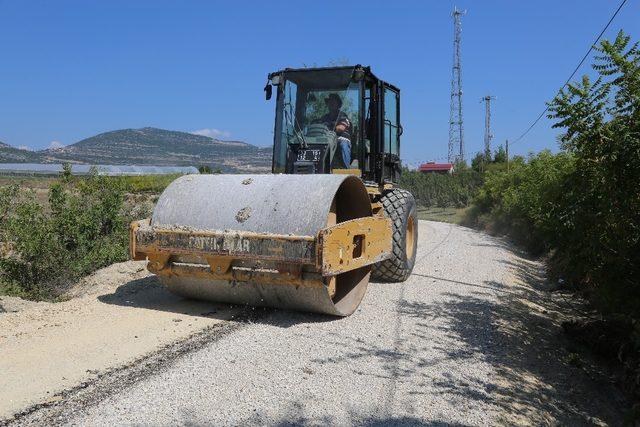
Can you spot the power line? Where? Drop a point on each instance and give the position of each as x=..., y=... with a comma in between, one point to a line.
x=584, y=58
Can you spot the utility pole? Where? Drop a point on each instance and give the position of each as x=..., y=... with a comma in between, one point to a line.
x=488, y=136
x=456, y=127
x=507, y=144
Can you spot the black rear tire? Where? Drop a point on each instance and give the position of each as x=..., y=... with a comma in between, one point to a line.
x=400, y=206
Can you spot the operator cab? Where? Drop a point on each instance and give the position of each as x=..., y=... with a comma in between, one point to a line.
x=310, y=136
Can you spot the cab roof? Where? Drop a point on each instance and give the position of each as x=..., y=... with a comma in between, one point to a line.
x=366, y=69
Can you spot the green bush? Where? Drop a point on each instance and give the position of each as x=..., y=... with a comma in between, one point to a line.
x=582, y=206
x=523, y=201
x=81, y=228
x=600, y=203
x=435, y=190
x=145, y=183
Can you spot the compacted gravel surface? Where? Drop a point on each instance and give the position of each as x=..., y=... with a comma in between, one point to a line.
x=472, y=338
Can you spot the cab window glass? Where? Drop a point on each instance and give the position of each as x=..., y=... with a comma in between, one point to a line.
x=391, y=125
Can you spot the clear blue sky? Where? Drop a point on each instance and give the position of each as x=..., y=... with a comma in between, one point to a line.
x=72, y=69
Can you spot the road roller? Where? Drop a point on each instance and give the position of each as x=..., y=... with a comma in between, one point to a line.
x=310, y=235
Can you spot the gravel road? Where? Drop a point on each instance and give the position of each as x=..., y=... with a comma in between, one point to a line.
x=472, y=338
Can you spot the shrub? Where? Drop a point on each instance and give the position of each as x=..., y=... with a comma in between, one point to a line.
x=600, y=203
x=145, y=183
x=523, y=202
x=583, y=205
x=46, y=247
x=430, y=189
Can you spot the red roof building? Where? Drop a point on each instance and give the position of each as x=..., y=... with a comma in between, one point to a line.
x=433, y=167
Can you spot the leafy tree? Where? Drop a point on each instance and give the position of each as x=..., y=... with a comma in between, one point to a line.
x=583, y=204
x=478, y=162
x=621, y=61
x=431, y=189
x=500, y=155
x=483, y=161
x=66, y=172
x=601, y=201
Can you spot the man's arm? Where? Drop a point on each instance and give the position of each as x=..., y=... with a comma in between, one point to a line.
x=343, y=125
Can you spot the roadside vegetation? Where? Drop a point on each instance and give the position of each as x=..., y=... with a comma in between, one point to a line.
x=154, y=184
x=442, y=191
x=582, y=205
x=579, y=208
x=448, y=197
x=79, y=224
x=80, y=228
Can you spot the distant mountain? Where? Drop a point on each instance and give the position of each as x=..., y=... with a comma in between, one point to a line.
x=152, y=146
x=9, y=154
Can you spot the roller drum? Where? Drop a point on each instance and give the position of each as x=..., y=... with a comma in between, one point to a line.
x=297, y=205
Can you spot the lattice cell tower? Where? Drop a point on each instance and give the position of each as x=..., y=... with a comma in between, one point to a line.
x=456, y=125
x=488, y=136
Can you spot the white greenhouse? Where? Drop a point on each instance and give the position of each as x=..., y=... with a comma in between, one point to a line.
x=110, y=170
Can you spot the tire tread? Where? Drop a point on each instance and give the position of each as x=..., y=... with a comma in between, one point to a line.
x=394, y=269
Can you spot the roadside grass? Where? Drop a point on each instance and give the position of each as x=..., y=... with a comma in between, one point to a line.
x=146, y=183
x=450, y=215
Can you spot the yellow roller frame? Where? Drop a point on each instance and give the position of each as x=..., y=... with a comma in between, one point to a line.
x=334, y=250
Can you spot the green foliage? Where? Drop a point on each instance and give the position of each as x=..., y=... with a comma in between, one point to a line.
x=204, y=169
x=144, y=183
x=601, y=199
x=523, y=201
x=478, y=162
x=435, y=190
x=7, y=195
x=45, y=247
x=82, y=226
x=66, y=172
x=500, y=155
x=582, y=206
x=483, y=162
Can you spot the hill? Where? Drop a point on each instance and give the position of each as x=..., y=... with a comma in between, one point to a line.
x=152, y=146
x=9, y=154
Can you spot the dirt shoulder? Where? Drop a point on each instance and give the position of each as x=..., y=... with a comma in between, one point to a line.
x=112, y=318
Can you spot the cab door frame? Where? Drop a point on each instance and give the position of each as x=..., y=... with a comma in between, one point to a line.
x=391, y=130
